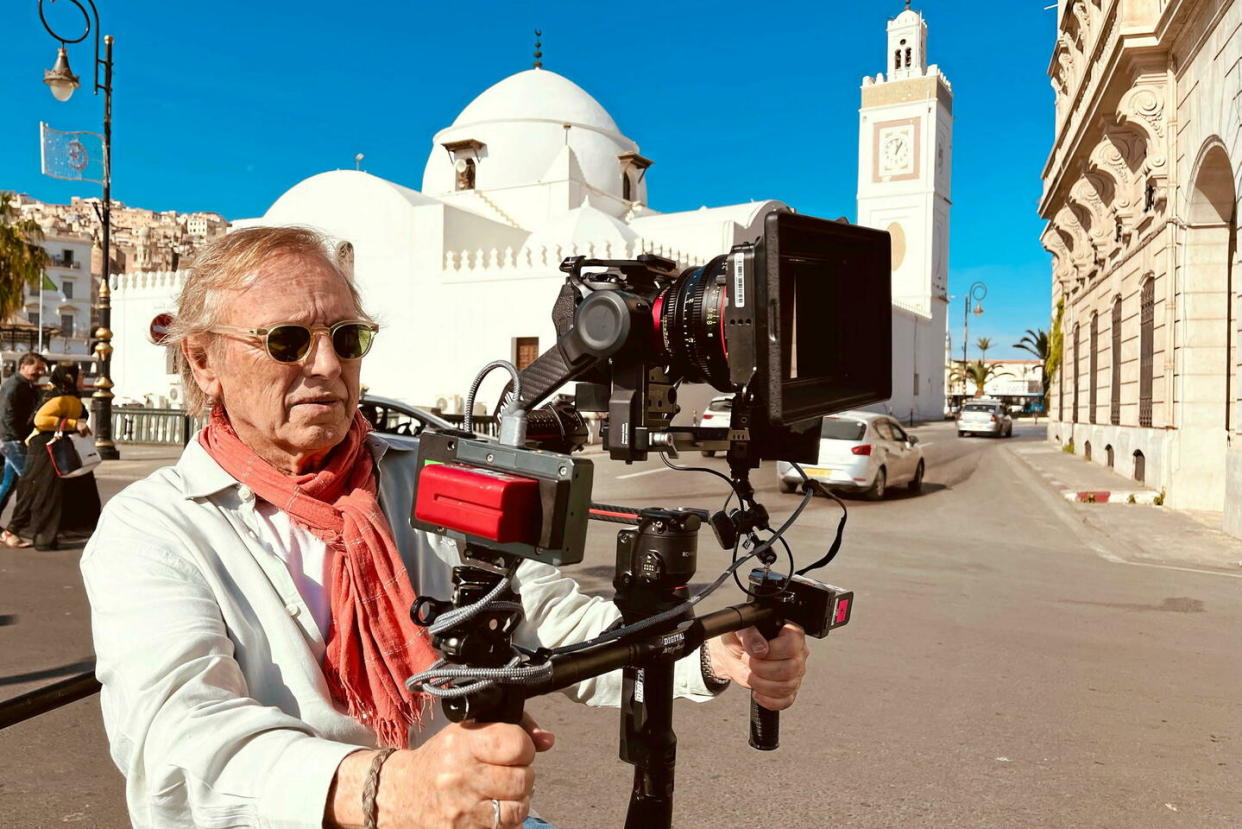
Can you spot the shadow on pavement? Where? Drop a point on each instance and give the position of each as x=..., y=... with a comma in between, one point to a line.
x=50, y=673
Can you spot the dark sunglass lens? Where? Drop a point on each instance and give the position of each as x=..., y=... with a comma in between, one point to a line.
x=352, y=341
x=288, y=343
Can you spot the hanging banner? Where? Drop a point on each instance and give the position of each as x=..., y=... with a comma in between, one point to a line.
x=73, y=156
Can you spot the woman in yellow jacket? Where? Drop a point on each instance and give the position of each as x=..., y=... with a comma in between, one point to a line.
x=48, y=505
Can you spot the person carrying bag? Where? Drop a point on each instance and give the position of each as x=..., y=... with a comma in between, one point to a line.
x=50, y=503
x=73, y=454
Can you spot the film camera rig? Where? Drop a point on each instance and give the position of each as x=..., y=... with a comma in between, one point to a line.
x=797, y=325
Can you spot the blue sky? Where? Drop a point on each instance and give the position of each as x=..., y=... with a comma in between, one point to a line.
x=223, y=106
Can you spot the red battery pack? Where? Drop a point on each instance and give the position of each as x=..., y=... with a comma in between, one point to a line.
x=480, y=502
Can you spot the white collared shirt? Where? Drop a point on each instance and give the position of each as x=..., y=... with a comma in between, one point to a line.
x=216, y=709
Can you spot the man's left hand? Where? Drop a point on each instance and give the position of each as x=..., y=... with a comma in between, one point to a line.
x=773, y=670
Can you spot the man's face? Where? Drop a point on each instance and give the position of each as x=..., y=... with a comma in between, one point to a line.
x=291, y=414
x=33, y=371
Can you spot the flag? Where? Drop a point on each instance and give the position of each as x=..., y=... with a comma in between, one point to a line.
x=75, y=156
x=48, y=284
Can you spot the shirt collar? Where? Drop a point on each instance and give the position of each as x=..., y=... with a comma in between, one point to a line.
x=201, y=476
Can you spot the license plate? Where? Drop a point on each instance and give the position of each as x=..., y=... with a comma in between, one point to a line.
x=818, y=470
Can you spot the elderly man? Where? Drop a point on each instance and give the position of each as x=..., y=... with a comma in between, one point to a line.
x=250, y=604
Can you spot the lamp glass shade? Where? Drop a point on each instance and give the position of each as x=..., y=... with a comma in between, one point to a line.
x=60, y=78
x=978, y=309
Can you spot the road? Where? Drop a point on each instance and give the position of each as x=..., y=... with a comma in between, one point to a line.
x=997, y=672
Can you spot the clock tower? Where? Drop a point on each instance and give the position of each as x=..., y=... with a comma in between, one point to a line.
x=904, y=163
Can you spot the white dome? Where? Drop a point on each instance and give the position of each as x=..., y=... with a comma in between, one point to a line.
x=908, y=16
x=537, y=95
x=520, y=128
x=582, y=227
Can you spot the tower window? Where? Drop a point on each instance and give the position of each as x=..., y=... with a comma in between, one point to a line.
x=897, y=59
x=465, y=169
x=627, y=186
x=907, y=57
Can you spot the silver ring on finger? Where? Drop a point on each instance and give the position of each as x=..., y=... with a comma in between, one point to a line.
x=495, y=813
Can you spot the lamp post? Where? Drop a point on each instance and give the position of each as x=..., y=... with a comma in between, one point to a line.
x=977, y=293
x=62, y=82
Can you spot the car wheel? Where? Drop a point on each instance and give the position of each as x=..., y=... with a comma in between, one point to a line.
x=709, y=453
x=787, y=487
x=916, y=483
x=879, y=487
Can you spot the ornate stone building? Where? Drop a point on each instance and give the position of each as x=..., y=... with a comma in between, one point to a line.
x=1140, y=194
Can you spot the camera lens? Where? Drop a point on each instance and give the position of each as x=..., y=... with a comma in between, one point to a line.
x=690, y=318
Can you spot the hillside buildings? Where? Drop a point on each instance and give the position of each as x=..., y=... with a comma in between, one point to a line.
x=1141, y=203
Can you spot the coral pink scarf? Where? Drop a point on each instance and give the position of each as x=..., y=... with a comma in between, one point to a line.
x=372, y=644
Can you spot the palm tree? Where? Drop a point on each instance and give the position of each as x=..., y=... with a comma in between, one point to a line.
x=1040, y=345
x=22, y=258
x=977, y=372
x=983, y=344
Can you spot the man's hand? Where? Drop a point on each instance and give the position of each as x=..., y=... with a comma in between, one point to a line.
x=83, y=428
x=450, y=781
x=772, y=670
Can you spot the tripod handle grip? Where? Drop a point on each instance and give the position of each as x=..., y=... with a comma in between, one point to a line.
x=765, y=724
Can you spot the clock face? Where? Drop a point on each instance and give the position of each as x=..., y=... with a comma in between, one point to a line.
x=897, y=150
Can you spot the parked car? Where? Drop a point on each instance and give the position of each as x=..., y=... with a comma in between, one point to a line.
x=984, y=417
x=717, y=413
x=862, y=452
x=395, y=417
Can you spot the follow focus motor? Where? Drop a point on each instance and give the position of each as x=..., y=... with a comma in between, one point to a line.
x=797, y=325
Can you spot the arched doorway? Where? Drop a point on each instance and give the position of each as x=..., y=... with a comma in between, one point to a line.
x=1205, y=360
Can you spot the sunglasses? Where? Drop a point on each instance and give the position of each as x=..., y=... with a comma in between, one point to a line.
x=290, y=342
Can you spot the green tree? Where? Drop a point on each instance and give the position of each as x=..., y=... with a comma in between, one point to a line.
x=977, y=372
x=1039, y=344
x=22, y=258
x=983, y=344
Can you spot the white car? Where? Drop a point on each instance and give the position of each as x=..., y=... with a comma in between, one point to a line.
x=984, y=417
x=862, y=452
x=717, y=414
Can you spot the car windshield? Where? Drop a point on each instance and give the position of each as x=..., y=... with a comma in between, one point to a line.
x=837, y=429
x=979, y=407
x=724, y=405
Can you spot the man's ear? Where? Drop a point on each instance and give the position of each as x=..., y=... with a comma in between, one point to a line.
x=197, y=352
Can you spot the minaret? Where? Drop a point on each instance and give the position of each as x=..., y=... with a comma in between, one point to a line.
x=904, y=160
x=905, y=144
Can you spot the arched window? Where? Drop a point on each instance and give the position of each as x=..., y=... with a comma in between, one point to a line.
x=907, y=57
x=1086, y=450
x=1114, y=411
x=465, y=169
x=1147, y=321
x=1076, y=365
x=1093, y=366
x=627, y=186
x=1140, y=467
x=1108, y=455
x=897, y=59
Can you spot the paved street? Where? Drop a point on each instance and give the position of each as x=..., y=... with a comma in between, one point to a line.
x=1005, y=666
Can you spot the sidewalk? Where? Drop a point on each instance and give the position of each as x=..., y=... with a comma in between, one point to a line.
x=1139, y=531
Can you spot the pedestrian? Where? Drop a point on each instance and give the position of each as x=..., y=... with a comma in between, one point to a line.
x=19, y=396
x=250, y=606
x=43, y=501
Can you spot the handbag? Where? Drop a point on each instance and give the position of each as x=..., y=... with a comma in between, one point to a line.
x=72, y=454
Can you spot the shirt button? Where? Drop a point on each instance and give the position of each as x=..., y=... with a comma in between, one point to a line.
x=245, y=493
x=292, y=609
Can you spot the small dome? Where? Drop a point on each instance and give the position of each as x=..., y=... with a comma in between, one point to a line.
x=583, y=226
x=537, y=94
x=908, y=16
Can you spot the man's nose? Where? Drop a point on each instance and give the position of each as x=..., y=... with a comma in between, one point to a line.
x=321, y=360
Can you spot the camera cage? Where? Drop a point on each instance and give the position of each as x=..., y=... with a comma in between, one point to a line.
x=628, y=332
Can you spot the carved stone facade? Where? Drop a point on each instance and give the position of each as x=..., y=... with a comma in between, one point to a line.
x=1140, y=194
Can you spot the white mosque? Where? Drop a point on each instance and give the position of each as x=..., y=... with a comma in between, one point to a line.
x=464, y=270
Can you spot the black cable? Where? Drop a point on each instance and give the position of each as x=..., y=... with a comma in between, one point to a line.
x=810, y=486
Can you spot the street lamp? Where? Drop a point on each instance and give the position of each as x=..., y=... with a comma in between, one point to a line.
x=977, y=293
x=62, y=82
